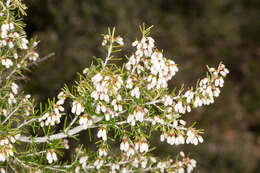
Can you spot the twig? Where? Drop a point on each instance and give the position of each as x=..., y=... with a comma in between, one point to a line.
x=14, y=70
x=153, y=102
x=27, y=122
x=34, y=63
x=108, y=54
x=11, y=114
x=42, y=59
x=71, y=124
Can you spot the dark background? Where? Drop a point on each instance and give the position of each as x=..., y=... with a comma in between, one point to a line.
x=193, y=34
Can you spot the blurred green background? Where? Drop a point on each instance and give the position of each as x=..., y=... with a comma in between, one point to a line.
x=193, y=34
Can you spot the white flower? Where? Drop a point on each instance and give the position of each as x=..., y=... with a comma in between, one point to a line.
x=95, y=95
x=179, y=139
x=6, y=62
x=85, y=71
x=130, y=151
x=216, y=92
x=12, y=139
x=117, y=106
x=11, y=99
x=2, y=170
x=2, y=156
x=120, y=41
x=60, y=102
x=4, y=35
x=8, y=4
x=4, y=142
x=143, y=145
x=191, y=165
x=83, y=161
x=85, y=121
x=51, y=156
x=77, y=108
x=197, y=102
x=135, y=43
x=66, y=143
x=15, y=55
x=180, y=170
x=58, y=108
x=144, y=163
x=124, y=146
x=162, y=137
x=129, y=83
x=77, y=169
x=179, y=107
x=10, y=44
x=51, y=119
x=189, y=96
x=5, y=27
x=171, y=139
x=135, y=92
x=167, y=100
x=135, y=162
x=98, y=163
x=102, y=133
x=24, y=43
x=61, y=95
x=106, y=39
x=97, y=78
x=33, y=56
x=200, y=139
x=131, y=119
x=102, y=152
x=14, y=88
x=35, y=43
x=115, y=166
x=193, y=138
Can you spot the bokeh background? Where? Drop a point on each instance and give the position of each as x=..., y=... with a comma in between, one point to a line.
x=193, y=34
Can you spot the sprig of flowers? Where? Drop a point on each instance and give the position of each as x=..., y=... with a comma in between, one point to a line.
x=130, y=101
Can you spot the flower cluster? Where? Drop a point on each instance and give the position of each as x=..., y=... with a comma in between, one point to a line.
x=50, y=119
x=77, y=108
x=6, y=147
x=137, y=115
x=147, y=57
x=193, y=137
x=12, y=39
x=5, y=152
x=124, y=146
x=83, y=161
x=102, y=133
x=51, y=156
x=53, y=116
x=86, y=121
x=177, y=136
x=142, y=145
x=179, y=166
x=105, y=86
x=107, y=38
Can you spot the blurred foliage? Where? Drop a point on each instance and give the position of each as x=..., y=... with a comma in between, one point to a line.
x=193, y=33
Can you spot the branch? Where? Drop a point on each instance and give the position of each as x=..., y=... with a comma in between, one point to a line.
x=76, y=130
x=61, y=135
